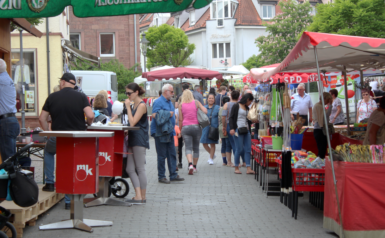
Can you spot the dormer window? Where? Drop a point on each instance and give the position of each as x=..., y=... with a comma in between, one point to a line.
x=222, y=9
x=176, y=22
x=268, y=12
x=192, y=18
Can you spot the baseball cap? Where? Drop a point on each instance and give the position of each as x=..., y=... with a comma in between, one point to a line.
x=67, y=77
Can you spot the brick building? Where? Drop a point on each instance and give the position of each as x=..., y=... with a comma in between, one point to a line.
x=107, y=37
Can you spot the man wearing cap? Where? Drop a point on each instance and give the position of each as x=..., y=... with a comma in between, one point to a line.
x=9, y=126
x=67, y=108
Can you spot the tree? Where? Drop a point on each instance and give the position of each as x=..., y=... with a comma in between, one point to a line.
x=283, y=30
x=351, y=17
x=123, y=75
x=168, y=46
x=33, y=21
x=254, y=62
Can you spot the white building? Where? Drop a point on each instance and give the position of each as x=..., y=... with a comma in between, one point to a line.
x=223, y=32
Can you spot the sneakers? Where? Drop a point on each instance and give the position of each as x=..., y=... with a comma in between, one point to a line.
x=164, y=180
x=195, y=170
x=190, y=170
x=177, y=179
x=180, y=165
x=210, y=161
x=67, y=206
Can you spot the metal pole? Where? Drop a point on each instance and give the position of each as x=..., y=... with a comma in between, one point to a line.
x=48, y=59
x=22, y=97
x=346, y=100
x=329, y=145
x=144, y=58
x=136, y=46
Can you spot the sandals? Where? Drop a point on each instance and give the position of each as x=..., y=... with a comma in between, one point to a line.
x=237, y=172
x=133, y=201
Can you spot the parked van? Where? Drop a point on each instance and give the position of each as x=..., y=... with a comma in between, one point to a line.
x=92, y=82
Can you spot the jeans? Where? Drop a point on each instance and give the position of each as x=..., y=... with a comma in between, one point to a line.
x=226, y=146
x=243, y=147
x=233, y=143
x=166, y=151
x=321, y=141
x=9, y=130
x=49, y=168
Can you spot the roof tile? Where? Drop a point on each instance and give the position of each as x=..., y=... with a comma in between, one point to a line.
x=201, y=23
x=246, y=14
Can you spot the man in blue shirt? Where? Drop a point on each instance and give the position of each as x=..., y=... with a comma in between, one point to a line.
x=197, y=94
x=9, y=126
x=301, y=103
x=165, y=150
x=222, y=93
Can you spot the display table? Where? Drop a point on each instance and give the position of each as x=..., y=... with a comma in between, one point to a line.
x=77, y=163
x=361, y=194
x=110, y=163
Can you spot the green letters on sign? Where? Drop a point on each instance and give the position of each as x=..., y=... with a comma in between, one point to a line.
x=92, y=8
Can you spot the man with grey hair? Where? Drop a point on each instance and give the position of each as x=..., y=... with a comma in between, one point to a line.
x=9, y=126
x=301, y=103
x=165, y=150
x=197, y=94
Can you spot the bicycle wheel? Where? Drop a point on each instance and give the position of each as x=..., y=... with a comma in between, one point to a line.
x=120, y=188
x=9, y=230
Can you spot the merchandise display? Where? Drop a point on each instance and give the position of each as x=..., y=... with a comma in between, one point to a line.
x=373, y=154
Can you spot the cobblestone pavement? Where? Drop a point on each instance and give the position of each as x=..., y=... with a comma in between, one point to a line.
x=214, y=202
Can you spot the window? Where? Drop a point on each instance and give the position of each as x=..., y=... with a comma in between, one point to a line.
x=313, y=11
x=29, y=78
x=192, y=18
x=222, y=9
x=176, y=22
x=75, y=40
x=156, y=22
x=221, y=50
x=107, y=44
x=268, y=11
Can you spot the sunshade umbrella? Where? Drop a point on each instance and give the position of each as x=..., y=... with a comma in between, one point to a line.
x=182, y=73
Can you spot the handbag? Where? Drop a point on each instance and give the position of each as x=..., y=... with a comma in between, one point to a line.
x=213, y=132
x=330, y=128
x=253, y=112
x=243, y=130
x=202, y=117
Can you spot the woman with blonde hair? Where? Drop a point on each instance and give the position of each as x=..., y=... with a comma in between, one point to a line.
x=109, y=103
x=191, y=131
x=100, y=103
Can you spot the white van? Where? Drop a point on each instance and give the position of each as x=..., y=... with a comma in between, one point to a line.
x=92, y=82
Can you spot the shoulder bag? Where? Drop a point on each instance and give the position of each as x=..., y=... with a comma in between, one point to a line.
x=202, y=117
x=213, y=132
x=253, y=112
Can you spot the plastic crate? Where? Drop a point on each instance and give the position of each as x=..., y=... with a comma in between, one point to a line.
x=255, y=142
x=308, y=180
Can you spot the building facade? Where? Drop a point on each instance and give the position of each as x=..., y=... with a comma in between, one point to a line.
x=107, y=37
x=224, y=32
x=35, y=73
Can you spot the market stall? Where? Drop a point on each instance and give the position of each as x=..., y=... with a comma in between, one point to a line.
x=332, y=53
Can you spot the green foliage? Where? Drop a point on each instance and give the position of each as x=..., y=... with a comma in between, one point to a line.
x=254, y=62
x=351, y=17
x=123, y=75
x=168, y=46
x=33, y=21
x=283, y=30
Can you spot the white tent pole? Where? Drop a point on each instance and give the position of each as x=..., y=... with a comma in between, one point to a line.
x=346, y=100
x=329, y=145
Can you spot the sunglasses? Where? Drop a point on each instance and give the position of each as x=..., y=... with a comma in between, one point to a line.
x=170, y=91
x=365, y=94
x=129, y=93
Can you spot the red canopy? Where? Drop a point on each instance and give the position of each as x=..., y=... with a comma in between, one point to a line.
x=297, y=77
x=334, y=53
x=181, y=73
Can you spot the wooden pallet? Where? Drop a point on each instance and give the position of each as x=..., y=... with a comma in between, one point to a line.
x=29, y=215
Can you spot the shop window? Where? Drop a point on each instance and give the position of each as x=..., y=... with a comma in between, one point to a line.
x=268, y=11
x=28, y=73
x=76, y=40
x=107, y=44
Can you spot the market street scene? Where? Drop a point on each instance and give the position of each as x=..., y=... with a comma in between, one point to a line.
x=221, y=118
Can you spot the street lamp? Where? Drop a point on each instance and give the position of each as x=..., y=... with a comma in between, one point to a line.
x=144, y=43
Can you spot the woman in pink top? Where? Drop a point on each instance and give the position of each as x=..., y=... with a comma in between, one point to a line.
x=191, y=131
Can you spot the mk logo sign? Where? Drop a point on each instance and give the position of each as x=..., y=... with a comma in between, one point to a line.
x=82, y=171
x=105, y=156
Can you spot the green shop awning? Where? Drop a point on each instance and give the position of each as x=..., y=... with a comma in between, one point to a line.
x=92, y=8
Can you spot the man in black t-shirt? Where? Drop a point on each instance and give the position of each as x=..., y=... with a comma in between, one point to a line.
x=67, y=108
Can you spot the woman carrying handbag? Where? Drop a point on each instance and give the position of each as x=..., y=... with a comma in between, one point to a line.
x=240, y=128
x=210, y=134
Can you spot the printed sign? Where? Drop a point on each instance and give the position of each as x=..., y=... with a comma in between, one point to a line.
x=103, y=158
x=82, y=172
x=29, y=96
